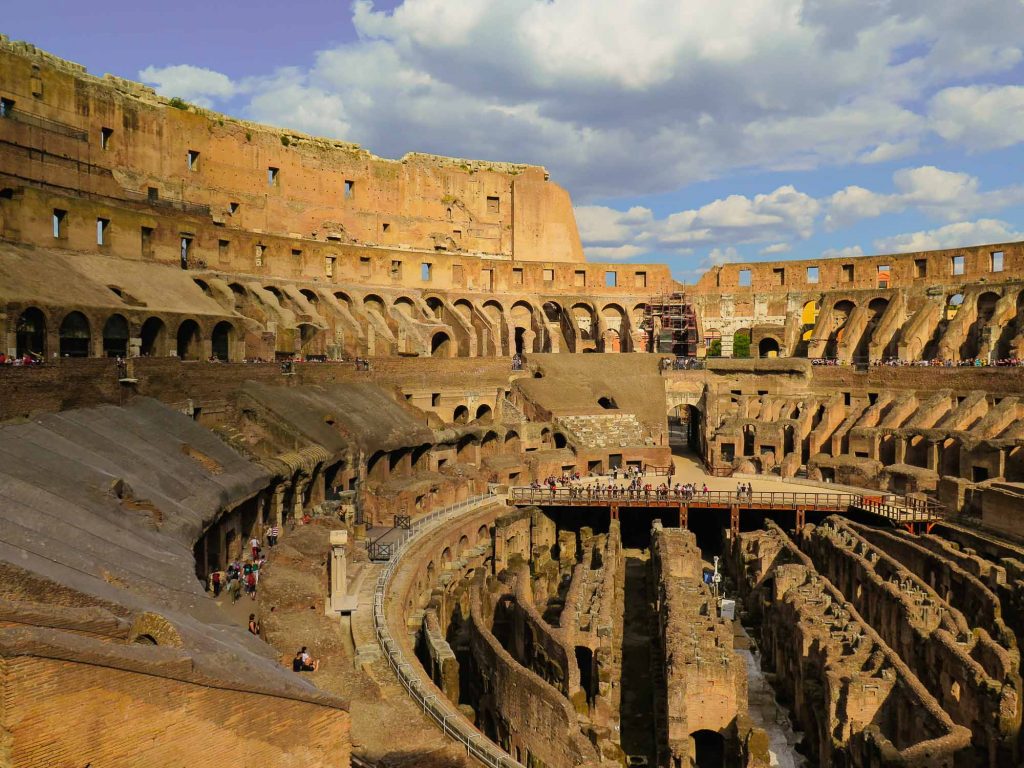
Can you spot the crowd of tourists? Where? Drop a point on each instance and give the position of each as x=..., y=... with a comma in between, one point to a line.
x=26, y=359
x=242, y=575
x=975, y=362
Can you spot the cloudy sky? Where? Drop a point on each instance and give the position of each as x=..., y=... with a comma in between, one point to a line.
x=687, y=132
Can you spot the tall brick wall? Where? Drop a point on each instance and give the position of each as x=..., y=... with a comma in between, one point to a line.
x=63, y=714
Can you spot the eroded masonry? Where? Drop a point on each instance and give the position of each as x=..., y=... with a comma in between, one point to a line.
x=530, y=510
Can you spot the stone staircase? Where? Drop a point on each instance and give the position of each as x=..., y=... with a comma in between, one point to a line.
x=604, y=431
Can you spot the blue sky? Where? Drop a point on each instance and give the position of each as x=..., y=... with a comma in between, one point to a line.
x=691, y=133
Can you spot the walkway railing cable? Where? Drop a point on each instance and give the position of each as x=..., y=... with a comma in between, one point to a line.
x=440, y=710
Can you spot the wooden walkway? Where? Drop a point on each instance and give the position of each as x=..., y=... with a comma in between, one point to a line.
x=914, y=514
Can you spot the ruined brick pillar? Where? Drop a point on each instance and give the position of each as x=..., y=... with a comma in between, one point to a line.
x=339, y=586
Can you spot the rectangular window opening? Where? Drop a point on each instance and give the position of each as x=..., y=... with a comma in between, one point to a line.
x=102, y=231
x=779, y=276
x=232, y=208
x=105, y=134
x=517, y=276
x=152, y=193
x=364, y=266
x=493, y=205
x=396, y=269
x=350, y=189
x=640, y=280
x=549, y=275
x=60, y=219
x=425, y=269
x=6, y=107
x=193, y=160
x=579, y=278
x=297, y=252
x=744, y=278
x=261, y=251
x=385, y=227
x=958, y=265
x=272, y=176
x=329, y=266
x=812, y=275
x=146, y=240
x=223, y=249
x=611, y=279
x=186, y=251
x=920, y=267
x=847, y=273
x=996, y=261
x=882, y=274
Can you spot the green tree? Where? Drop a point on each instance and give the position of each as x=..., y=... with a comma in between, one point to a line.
x=715, y=350
x=741, y=344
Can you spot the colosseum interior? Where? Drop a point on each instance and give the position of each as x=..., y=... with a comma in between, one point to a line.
x=231, y=329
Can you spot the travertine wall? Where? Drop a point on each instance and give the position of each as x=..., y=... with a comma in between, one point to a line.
x=62, y=712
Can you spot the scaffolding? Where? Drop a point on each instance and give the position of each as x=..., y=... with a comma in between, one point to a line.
x=671, y=325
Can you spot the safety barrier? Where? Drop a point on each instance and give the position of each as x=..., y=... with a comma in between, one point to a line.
x=452, y=723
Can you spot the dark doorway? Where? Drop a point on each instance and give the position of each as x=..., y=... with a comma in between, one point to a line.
x=708, y=749
x=30, y=333
x=223, y=333
x=115, y=337
x=74, y=336
x=520, y=341
x=154, y=334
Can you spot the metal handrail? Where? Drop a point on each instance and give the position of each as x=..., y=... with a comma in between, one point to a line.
x=899, y=508
x=452, y=723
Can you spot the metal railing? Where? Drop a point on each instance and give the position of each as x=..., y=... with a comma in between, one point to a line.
x=433, y=703
x=901, y=509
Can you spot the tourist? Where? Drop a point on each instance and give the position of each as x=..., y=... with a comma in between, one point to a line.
x=254, y=544
x=250, y=584
x=272, y=536
x=234, y=587
x=254, y=626
x=304, y=663
x=215, y=583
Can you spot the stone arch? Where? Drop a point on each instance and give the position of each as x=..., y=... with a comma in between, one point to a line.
x=585, y=318
x=30, y=333
x=221, y=339
x=460, y=415
x=405, y=305
x=560, y=440
x=953, y=304
x=616, y=325
x=713, y=342
x=441, y=345
x=768, y=347
x=374, y=303
x=238, y=294
x=512, y=440
x=310, y=296
x=522, y=313
x=154, y=338
x=343, y=298
x=484, y=414
x=116, y=333
x=75, y=335
x=464, y=308
x=153, y=629
x=189, y=340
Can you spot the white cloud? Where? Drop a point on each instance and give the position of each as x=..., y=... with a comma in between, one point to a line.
x=842, y=253
x=933, y=191
x=957, y=235
x=613, y=253
x=776, y=248
x=194, y=84
x=624, y=97
x=980, y=116
x=783, y=214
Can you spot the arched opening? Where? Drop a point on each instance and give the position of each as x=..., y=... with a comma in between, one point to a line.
x=741, y=343
x=560, y=441
x=713, y=342
x=608, y=403
x=585, y=662
x=461, y=415
x=189, y=341
x=436, y=306
x=74, y=335
x=520, y=340
x=484, y=414
x=374, y=303
x=840, y=315
x=552, y=312
x=404, y=305
x=154, y=338
x=344, y=298
x=223, y=335
x=146, y=640
x=512, y=442
x=708, y=749
x=768, y=347
x=441, y=345
x=749, y=435
x=30, y=333
x=310, y=296
x=115, y=336
x=953, y=305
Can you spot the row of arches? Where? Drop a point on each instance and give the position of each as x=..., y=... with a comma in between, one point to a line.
x=75, y=337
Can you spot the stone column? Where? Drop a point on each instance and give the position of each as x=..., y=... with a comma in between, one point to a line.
x=339, y=586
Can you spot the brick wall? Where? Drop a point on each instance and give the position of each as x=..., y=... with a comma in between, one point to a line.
x=63, y=714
